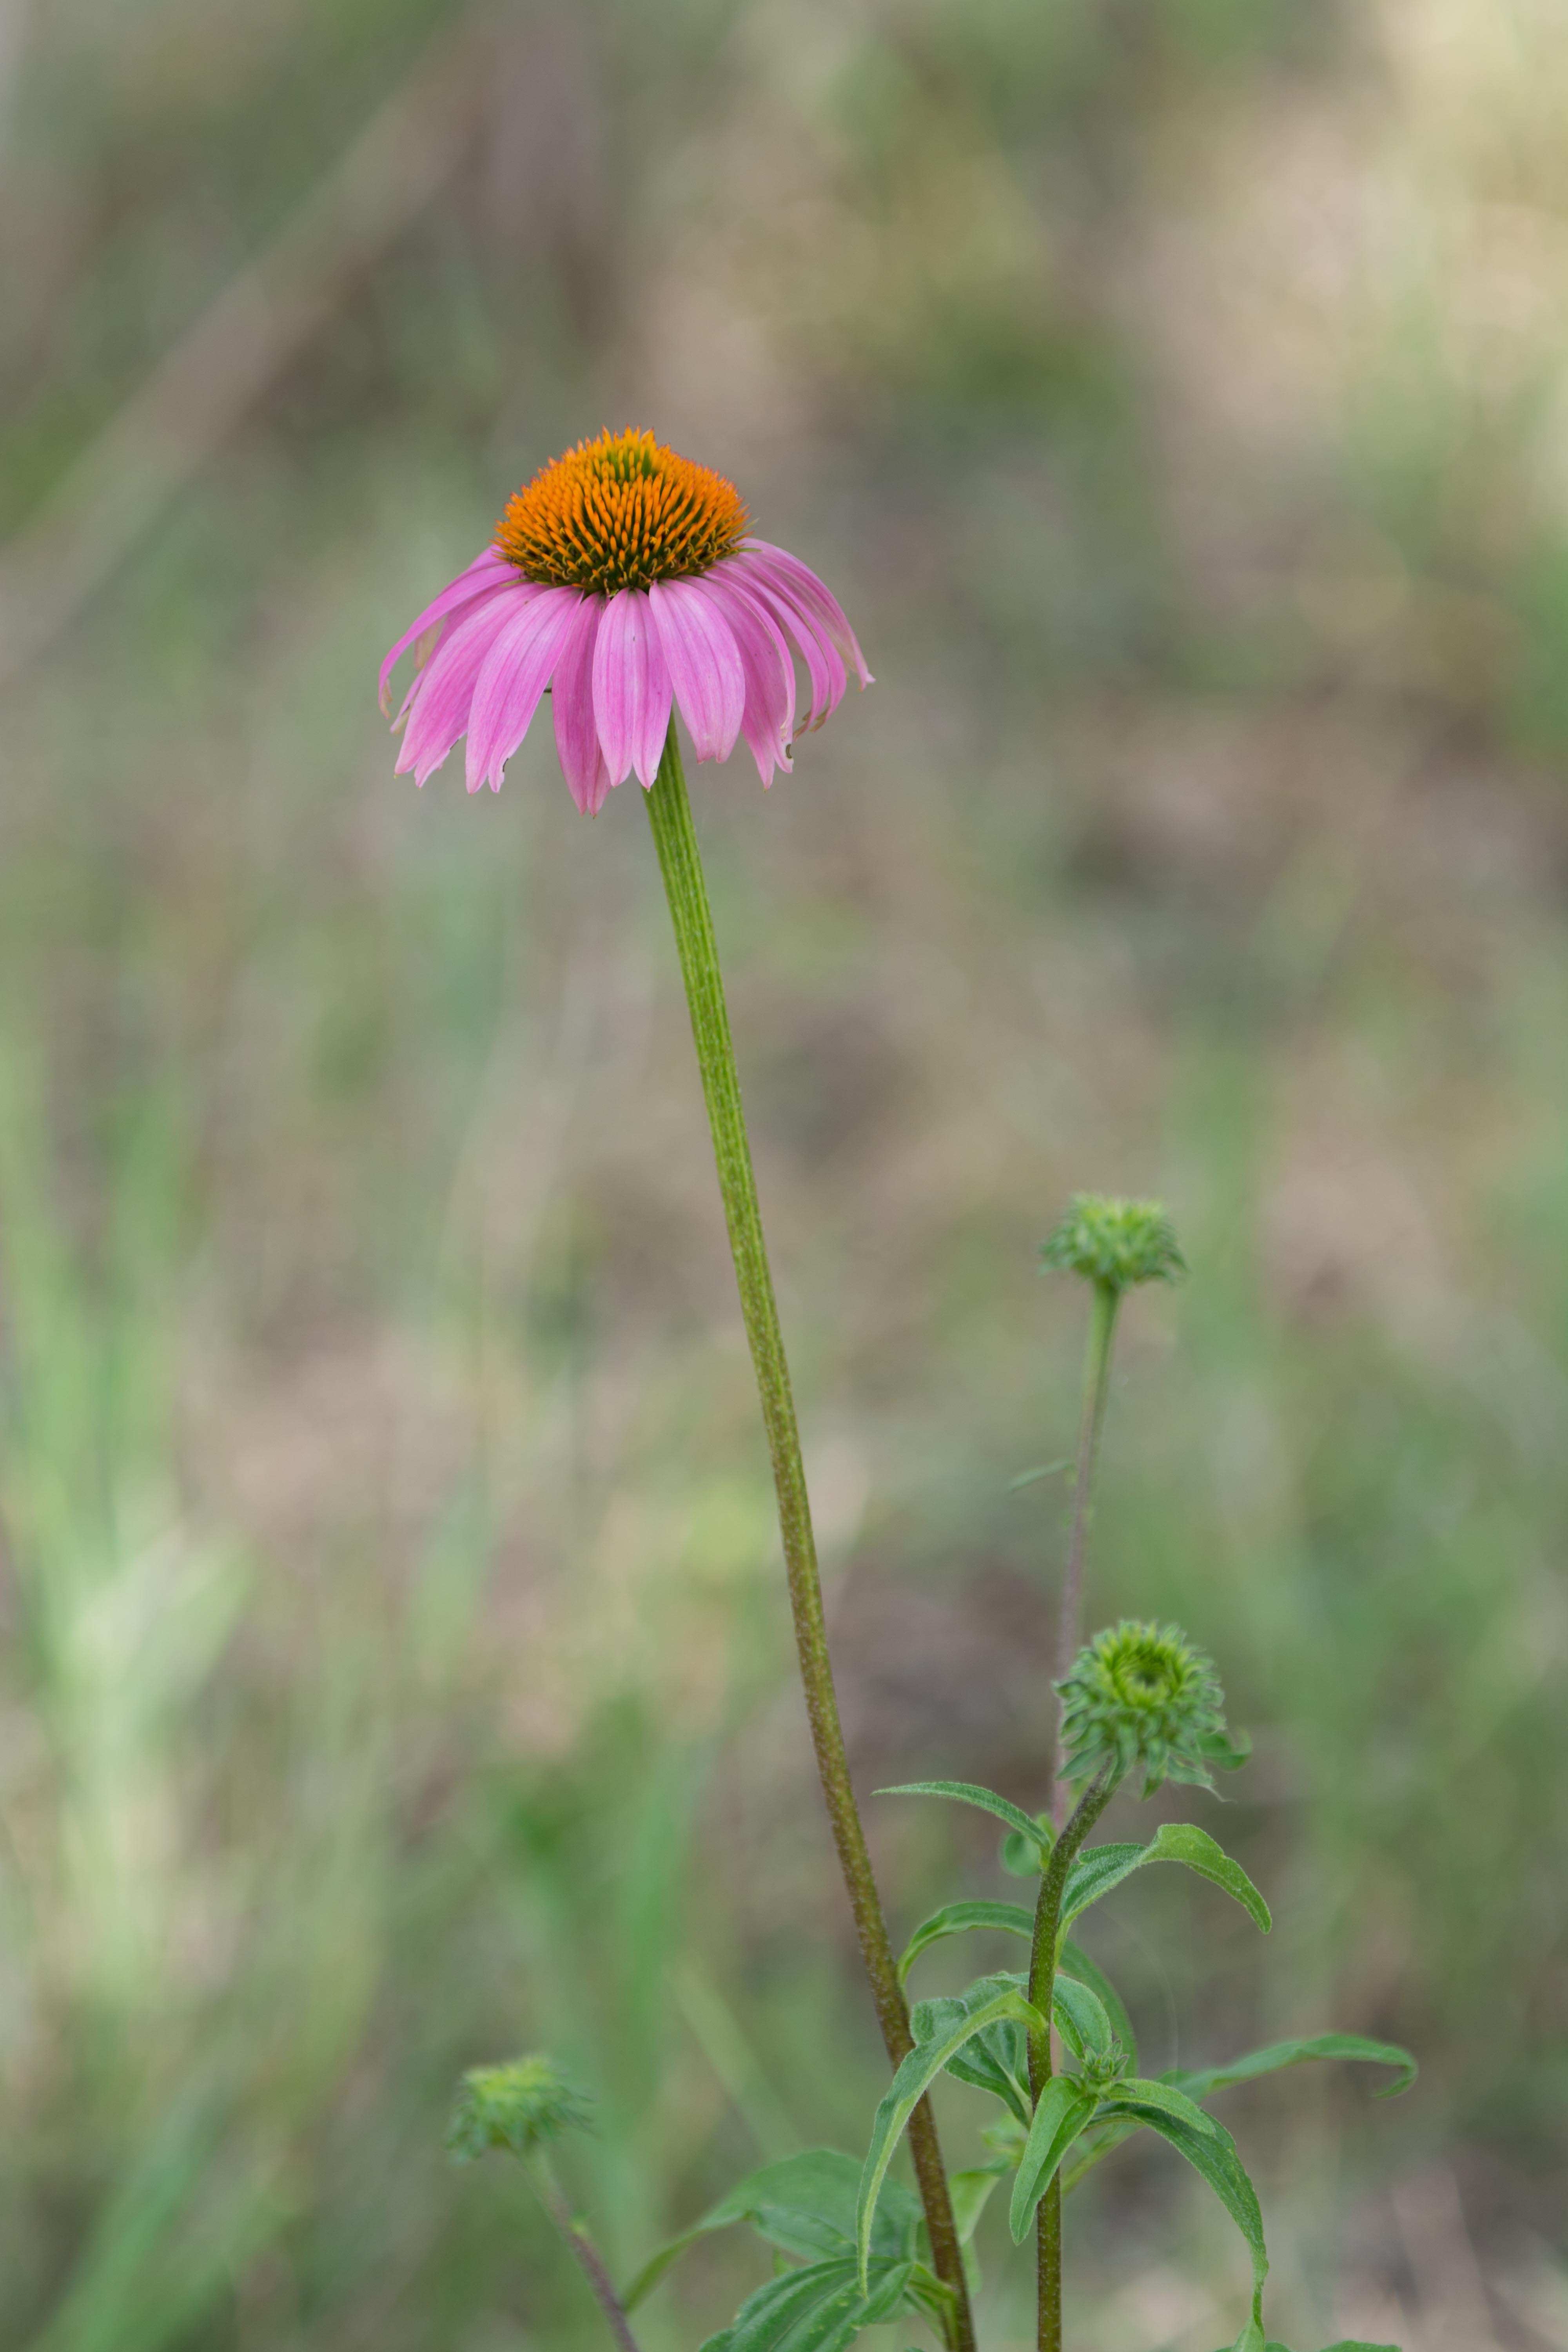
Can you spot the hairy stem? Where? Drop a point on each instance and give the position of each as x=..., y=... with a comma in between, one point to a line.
x=675, y=837
x=585, y=2251
x=1043, y=1955
x=1069, y=1609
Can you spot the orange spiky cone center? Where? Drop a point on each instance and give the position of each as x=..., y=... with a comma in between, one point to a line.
x=621, y=513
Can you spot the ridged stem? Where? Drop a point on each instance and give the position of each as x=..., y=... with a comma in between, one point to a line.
x=675, y=838
x=584, y=2251
x=1092, y=1421
x=1042, y=1982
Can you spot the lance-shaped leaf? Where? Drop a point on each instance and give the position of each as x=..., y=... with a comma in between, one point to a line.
x=1076, y=1962
x=821, y=2308
x=805, y=2205
x=961, y=1919
x=1065, y=2106
x=1204, y=2083
x=1102, y=1867
x=969, y=1792
x=996, y=2058
x=1211, y=2151
x=915, y=2076
x=1080, y=2018
x=970, y=2191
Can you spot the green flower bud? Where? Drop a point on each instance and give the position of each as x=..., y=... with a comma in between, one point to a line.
x=1118, y=1243
x=1142, y=1697
x=516, y=2107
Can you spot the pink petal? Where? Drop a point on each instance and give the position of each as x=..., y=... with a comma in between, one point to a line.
x=487, y=571
x=704, y=664
x=515, y=674
x=824, y=666
x=631, y=688
x=769, y=714
x=797, y=579
x=572, y=694
x=446, y=688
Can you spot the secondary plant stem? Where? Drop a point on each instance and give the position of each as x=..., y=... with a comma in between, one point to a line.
x=675, y=837
x=1069, y=1611
x=587, y=2254
x=1041, y=1981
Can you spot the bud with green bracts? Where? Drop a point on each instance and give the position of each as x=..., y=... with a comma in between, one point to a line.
x=1143, y=1698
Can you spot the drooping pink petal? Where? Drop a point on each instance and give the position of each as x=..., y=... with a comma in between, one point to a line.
x=631, y=688
x=487, y=571
x=572, y=696
x=799, y=581
x=439, y=712
x=515, y=674
x=824, y=664
x=704, y=664
x=769, y=713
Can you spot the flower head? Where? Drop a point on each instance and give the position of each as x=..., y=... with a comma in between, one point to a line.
x=1115, y=1242
x=622, y=579
x=514, y=2108
x=1143, y=1696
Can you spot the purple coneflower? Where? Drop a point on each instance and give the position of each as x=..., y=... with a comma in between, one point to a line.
x=622, y=578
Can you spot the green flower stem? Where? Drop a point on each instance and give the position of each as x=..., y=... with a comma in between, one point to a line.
x=675, y=837
x=1043, y=1956
x=585, y=2251
x=1070, y=1611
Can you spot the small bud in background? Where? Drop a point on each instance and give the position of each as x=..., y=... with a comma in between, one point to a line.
x=1142, y=1697
x=516, y=2107
x=1117, y=1243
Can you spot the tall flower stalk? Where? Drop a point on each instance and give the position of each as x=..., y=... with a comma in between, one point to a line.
x=1114, y=1246
x=675, y=838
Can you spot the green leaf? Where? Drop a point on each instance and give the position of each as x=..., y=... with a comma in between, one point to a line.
x=959, y=1919
x=996, y=2059
x=821, y=2308
x=1080, y=2018
x=805, y=2205
x=1076, y=1962
x=915, y=2076
x=1185, y=1841
x=1211, y=2151
x=1102, y=1867
x=1064, y=2109
x=970, y=2192
x=1202, y=2083
x=1344, y=2345
x=1023, y=1857
x=968, y=1792
x=1097, y=1870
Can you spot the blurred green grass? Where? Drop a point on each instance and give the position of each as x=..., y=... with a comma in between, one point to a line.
x=396, y=1669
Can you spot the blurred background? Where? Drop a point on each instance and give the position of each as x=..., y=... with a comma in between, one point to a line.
x=396, y=1666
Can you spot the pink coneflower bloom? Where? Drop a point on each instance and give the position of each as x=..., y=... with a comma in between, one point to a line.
x=622, y=579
